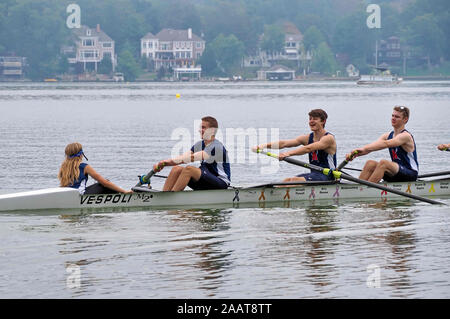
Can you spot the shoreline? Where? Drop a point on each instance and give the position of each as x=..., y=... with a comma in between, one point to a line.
x=308, y=79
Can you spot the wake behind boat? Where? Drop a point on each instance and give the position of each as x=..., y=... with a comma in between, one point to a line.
x=277, y=194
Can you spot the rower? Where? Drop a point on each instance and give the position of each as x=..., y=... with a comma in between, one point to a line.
x=214, y=171
x=320, y=145
x=403, y=166
x=74, y=173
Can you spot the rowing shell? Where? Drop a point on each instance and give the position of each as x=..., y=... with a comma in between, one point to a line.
x=69, y=198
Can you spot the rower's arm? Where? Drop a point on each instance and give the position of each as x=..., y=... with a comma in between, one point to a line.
x=99, y=178
x=324, y=143
x=186, y=158
x=300, y=140
x=379, y=144
x=383, y=142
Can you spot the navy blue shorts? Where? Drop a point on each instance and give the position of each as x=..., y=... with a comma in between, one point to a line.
x=404, y=175
x=207, y=181
x=316, y=176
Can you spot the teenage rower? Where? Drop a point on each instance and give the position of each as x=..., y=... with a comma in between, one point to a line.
x=74, y=173
x=403, y=166
x=214, y=171
x=320, y=145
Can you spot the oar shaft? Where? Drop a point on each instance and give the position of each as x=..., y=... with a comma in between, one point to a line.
x=434, y=174
x=391, y=190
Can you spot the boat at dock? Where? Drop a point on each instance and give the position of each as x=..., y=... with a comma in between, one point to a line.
x=382, y=76
x=278, y=194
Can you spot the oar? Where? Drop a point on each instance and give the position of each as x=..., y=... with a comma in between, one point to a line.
x=354, y=169
x=338, y=175
x=434, y=174
x=345, y=162
x=146, y=179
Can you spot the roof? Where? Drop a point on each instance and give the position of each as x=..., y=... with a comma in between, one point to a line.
x=279, y=68
x=292, y=32
x=82, y=32
x=176, y=35
x=149, y=36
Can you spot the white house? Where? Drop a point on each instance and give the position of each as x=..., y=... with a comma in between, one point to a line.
x=293, y=40
x=172, y=48
x=92, y=46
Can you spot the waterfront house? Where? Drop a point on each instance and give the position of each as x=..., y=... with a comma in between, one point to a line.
x=92, y=46
x=171, y=48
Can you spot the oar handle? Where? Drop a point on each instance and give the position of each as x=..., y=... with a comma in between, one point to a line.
x=145, y=179
x=345, y=162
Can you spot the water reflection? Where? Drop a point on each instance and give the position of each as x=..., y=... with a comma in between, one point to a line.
x=208, y=233
x=321, y=250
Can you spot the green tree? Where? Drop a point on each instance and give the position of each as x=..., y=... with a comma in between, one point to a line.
x=273, y=39
x=228, y=51
x=353, y=38
x=425, y=34
x=208, y=61
x=35, y=29
x=128, y=65
x=312, y=38
x=323, y=60
x=105, y=66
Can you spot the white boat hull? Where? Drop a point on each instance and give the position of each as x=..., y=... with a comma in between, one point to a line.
x=68, y=198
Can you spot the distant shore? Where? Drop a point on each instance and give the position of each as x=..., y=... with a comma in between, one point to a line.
x=299, y=79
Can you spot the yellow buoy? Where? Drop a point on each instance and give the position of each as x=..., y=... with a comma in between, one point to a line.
x=177, y=95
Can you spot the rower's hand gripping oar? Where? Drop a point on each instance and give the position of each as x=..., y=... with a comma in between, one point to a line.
x=345, y=162
x=145, y=179
x=338, y=175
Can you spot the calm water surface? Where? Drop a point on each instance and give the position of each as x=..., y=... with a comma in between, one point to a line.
x=307, y=250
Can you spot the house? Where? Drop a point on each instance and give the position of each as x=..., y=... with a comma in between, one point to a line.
x=172, y=48
x=276, y=73
x=293, y=43
x=11, y=67
x=92, y=45
x=390, y=51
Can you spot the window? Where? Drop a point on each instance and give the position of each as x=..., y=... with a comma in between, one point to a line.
x=107, y=44
x=199, y=45
x=89, y=54
x=88, y=42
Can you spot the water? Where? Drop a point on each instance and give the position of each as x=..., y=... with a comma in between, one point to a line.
x=397, y=249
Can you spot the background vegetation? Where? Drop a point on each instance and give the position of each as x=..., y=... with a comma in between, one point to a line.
x=37, y=29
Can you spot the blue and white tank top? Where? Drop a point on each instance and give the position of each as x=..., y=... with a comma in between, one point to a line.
x=402, y=157
x=218, y=162
x=320, y=157
x=81, y=182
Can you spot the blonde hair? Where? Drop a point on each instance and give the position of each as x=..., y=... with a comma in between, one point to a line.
x=70, y=168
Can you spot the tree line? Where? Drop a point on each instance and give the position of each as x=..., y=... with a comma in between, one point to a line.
x=37, y=29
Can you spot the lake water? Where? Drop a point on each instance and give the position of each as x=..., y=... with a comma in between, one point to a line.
x=375, y=249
